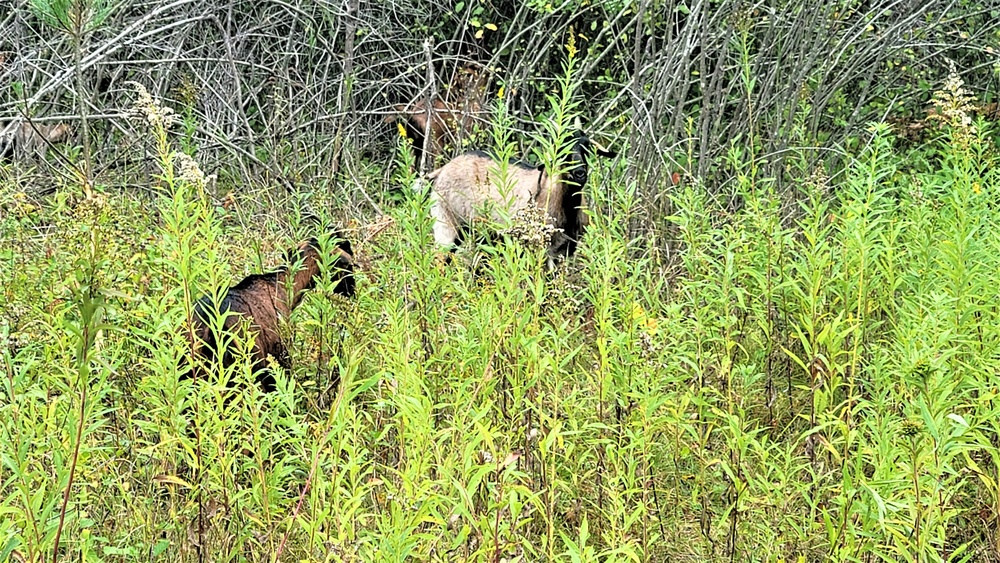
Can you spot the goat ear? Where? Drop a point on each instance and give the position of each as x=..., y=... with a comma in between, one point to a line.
x=337, y=239
x=345, y=246
x=601, y=151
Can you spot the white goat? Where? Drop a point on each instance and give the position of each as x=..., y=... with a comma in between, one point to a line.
x=470, y=186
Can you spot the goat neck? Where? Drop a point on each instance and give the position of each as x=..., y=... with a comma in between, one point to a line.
x=303, y=278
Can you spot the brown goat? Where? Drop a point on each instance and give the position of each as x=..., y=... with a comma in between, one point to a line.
x=260, y=300
x=28, y=139
x=451, y=116
x=448, y=125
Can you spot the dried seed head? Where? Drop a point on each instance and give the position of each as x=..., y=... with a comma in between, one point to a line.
x=147, y=109
x=954, y=105
x=188, y=170
x=532, y=227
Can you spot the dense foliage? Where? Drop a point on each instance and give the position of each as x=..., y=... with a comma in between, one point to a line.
x=293, y=94
x=778, y=340
x=822, y=388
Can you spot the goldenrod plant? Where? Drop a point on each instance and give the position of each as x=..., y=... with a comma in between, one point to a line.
x=774, y=375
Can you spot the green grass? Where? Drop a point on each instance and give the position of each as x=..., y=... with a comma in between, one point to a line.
x=809, y=380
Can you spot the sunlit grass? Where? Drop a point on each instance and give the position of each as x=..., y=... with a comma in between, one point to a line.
x=771, y=389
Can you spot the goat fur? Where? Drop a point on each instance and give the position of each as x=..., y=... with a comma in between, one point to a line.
x=27, y=139
x=259, y=301
x=449, y=124
x=469, y=186
x=451, y=118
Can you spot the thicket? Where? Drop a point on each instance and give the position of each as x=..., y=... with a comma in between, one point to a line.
x=292, y=94
x=789, y=354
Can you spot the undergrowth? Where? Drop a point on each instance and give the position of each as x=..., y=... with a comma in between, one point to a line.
x=814, y=383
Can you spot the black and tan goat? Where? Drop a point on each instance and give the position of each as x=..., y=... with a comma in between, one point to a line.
x=259, y=301
x=466, y=187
